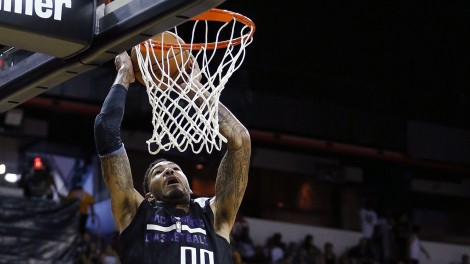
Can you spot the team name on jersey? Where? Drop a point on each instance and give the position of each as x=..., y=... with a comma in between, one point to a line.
x=41, y=8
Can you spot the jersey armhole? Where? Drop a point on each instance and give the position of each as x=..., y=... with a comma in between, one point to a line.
x=141, y=210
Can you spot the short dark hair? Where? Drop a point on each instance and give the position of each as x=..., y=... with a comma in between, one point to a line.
x=146, y=176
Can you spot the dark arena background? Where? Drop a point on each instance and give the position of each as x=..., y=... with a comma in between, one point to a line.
x=348, y=104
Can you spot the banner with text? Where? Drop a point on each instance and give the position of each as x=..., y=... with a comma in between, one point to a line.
x=60, y=28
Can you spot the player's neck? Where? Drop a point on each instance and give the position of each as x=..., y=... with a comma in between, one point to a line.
x=184, y=207
x=176, y=206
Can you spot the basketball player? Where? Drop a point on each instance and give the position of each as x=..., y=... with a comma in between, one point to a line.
x=167, y=226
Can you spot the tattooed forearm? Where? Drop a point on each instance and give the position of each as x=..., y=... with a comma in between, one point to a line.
x=233, y=178
x=231, y=128
x=124, y=199
x=116, y=172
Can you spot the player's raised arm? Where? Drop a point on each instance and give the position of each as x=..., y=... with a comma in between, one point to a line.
x=114, y=161
x=232, y=175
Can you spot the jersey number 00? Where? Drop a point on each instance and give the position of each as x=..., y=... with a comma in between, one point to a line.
x=193, y=254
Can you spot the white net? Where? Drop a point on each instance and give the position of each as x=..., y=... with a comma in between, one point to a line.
x=185, y=103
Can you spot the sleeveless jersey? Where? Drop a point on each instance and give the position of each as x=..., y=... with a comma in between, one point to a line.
x=166, y=236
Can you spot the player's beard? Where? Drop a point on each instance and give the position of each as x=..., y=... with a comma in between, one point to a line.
x=176, y=196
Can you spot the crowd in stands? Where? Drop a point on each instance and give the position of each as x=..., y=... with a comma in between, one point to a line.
x=391, y=241
x=275, y=250
x=93, y=250
x=368, y=250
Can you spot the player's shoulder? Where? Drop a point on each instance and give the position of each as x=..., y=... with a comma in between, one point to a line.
x=201, y=201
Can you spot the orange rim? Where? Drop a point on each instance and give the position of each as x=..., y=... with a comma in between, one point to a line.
x=214, y=14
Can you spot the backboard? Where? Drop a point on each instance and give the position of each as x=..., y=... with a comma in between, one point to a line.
x=125, y=23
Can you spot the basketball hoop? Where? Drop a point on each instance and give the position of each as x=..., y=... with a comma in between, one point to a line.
x=185, y=106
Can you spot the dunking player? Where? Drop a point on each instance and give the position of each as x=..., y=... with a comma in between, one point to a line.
x=167, y=226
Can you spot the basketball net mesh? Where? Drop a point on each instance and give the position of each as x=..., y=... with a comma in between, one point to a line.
x=185, y=106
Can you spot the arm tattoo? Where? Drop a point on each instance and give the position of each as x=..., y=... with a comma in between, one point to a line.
x=232, y=178
x=117, y=175
x=232, y=175
x=116, y=172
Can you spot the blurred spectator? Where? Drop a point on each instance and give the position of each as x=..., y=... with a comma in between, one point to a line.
x=238, y=226
x=275, y=248
x=415, y=248
x=86, y=201
x=401, y=233
x=109, y=255
x=297, y=254
x=361, y=253
x=464, y=259
x=37, y=180
x=91, y=255
x=312, y=251
x=382, y=240
x=328, y=256
x=368, y=219
x=243, y=243
x=236, y=257
x=292, y=255
x=84, y=244
x=260, y=256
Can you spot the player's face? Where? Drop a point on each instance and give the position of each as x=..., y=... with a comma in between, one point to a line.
x=168, y=182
